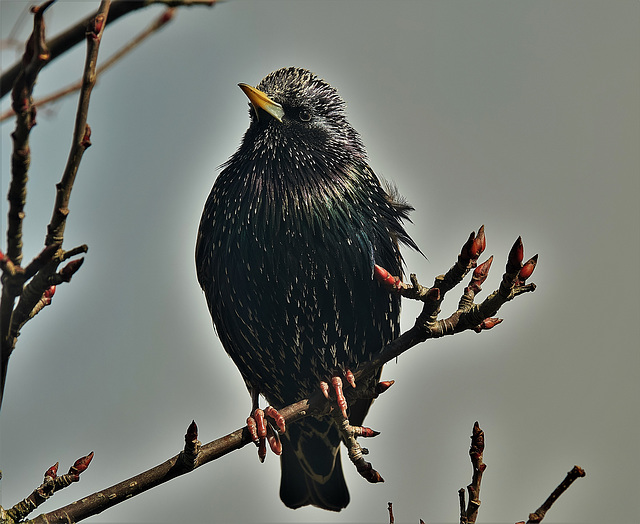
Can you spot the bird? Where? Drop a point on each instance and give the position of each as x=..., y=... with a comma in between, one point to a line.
x=285, y=253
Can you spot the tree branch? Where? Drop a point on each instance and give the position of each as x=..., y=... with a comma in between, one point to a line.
x=75, y=34
x=82, y=132
x=156, y=25
x=196, y=455
x=575, y=473
x=43, y=268
x=469, y=515
x=35, y=56
x=51, y=484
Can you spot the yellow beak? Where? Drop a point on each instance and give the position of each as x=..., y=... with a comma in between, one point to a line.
x=260, y=100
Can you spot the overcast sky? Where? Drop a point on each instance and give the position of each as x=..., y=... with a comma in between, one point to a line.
x=523, y=116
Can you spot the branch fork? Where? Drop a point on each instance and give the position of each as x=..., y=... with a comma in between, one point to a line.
x=51, y=484
x=468, y=315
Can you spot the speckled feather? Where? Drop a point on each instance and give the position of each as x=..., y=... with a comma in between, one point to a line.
x=285, y=253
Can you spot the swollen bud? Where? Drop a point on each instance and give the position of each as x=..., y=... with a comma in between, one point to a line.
x=70, y=269
x=192, y=432
x=479, y=244
x=516, y=255
x=81, y=464
x=48, y=295
x=527, y=268
x=481, y=272
x=52, y=471
x=465, y=252
x=487, y=323
x=382, y=386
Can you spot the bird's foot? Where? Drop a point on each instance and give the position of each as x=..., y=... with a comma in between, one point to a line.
x=263, y=432
x=336, y=384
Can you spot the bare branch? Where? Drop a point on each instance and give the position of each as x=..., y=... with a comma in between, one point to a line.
x=476, y=453
x=156, y=25
x=468, y=316
x=75, y=34
x=51, y=484
x=82, y=132
x=575, y=473
x=36, y=55
x=196, y=455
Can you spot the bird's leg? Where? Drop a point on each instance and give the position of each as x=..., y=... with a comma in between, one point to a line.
x=261, y=430
x=355, y=451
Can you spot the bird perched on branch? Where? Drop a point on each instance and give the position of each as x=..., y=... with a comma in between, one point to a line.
x=285, y=254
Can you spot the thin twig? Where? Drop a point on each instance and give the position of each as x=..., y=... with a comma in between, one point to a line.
x=36, y=55
x=82, y=132
x=51, y=484
x=476, y=453
x=156, y=25
x=175, y=466
x=575, y=473
x=76, y=33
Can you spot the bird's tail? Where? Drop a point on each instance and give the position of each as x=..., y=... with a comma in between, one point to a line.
x=311, y=466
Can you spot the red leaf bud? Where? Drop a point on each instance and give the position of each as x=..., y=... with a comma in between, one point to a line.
x=516, y=254
x=98, y=23
x=81, y=464
x=466, y=248
x=48, y=295
x=168, y=15
x=487, y=323
x=52, y=471
x=481, y=272
x=69, y=270
x=527, y=268
x=86, y=138
x=479, y=244
x=192, y=432
x=382, y=386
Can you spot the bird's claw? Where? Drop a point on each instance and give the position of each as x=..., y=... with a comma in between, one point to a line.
x=336, y=383
x=263, y=432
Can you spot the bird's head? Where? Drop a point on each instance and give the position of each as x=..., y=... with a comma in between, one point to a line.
x=294, y=110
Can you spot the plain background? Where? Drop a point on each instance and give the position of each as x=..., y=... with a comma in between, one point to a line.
x=523, y=116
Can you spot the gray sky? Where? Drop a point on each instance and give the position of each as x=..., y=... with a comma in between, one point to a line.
x=523, y=116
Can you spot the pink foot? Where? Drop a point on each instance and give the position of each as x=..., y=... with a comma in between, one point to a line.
x=336, y=383
x=262, y=432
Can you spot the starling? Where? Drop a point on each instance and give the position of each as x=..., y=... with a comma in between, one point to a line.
x=285, y=256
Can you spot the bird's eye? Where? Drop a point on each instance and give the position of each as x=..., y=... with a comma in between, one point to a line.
x=304, y=115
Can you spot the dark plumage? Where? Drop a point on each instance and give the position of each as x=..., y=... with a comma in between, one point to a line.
x=285, y=254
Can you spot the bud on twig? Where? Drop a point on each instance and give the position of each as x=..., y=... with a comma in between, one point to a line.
x=487, y=323
x=192, y=432
x=86, y=138
x=52, y=472
x=70, y=269
x=382, y=386
x=515, y=256
x=478, y=245
x=480, y=274
x=527, y=269
x=81, y=464
x=48, y=295
x=168, y=15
